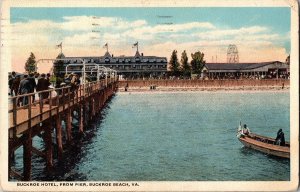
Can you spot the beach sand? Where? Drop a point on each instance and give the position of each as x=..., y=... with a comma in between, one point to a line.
x=207, y=89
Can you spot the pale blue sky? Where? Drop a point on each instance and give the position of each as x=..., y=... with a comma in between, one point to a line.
x=261, y=34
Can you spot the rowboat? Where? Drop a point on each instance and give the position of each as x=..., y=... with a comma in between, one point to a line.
x=265, y=145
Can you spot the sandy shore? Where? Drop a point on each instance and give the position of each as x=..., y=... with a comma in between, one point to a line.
x=206, y=89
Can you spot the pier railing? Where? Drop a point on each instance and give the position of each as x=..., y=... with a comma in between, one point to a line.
x=22, y=108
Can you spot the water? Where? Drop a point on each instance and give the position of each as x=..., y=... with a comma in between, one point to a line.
x=184, y=136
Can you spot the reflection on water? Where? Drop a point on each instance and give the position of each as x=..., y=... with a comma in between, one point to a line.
x=176, y=136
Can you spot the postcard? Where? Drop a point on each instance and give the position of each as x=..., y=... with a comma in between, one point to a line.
x=149, y=95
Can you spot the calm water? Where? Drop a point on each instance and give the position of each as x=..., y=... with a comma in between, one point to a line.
x=176, y=136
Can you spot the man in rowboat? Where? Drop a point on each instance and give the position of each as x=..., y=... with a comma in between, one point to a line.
x=246, y=130
x=243, y=131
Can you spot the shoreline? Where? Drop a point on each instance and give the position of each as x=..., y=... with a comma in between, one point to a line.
x=203, y=89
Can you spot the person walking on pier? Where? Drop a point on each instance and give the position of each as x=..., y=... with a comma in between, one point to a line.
x=74, y=82
x=67, y=79
x=42, y=85
x=10, y=84
x=53, y=95
x=13, y=74
x=16, y=84
x=24, y=88
x=33, y=85
x=48, y=77
x=36, y=77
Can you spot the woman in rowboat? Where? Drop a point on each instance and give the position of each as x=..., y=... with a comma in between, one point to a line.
x=280, y=140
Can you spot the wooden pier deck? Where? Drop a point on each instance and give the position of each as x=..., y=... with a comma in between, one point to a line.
x=43, y=116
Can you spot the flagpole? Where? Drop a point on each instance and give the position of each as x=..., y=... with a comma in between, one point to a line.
x=61, y=48
x=136, y=45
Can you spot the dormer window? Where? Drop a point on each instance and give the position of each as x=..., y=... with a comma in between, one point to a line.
x=137, y=60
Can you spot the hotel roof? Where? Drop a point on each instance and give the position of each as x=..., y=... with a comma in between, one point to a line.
x=108, y=58
x=241, y=66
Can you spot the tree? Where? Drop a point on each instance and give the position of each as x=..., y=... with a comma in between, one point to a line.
x=287, y=60
x=58, y=66
x=185, y=66
x=197, y=62
x=174, y=64
x=30, y=65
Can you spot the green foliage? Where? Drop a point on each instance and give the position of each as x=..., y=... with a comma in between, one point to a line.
x=59, y=65
x=174, y=64
x=185, y=66
x=52, y=79
x=197, y=62
x=30, y=65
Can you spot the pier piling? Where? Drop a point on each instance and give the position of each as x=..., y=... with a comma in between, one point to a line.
x=59, y=137
x=27, y=154
x=81, y=117
x=48, y=142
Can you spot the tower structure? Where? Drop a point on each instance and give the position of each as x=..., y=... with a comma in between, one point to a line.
x=232, y=54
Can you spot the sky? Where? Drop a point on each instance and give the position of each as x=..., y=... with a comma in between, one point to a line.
x=260, y=34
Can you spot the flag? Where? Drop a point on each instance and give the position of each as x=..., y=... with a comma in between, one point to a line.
x=59, y=45
x=135, y=45
x=105, y=46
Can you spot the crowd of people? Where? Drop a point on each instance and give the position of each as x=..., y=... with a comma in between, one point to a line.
x=20, y=84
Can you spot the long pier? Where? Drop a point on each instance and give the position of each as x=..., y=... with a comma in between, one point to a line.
x=44, y=118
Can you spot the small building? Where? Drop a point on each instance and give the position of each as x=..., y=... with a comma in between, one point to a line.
x=274, y=69
x=137, y=66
